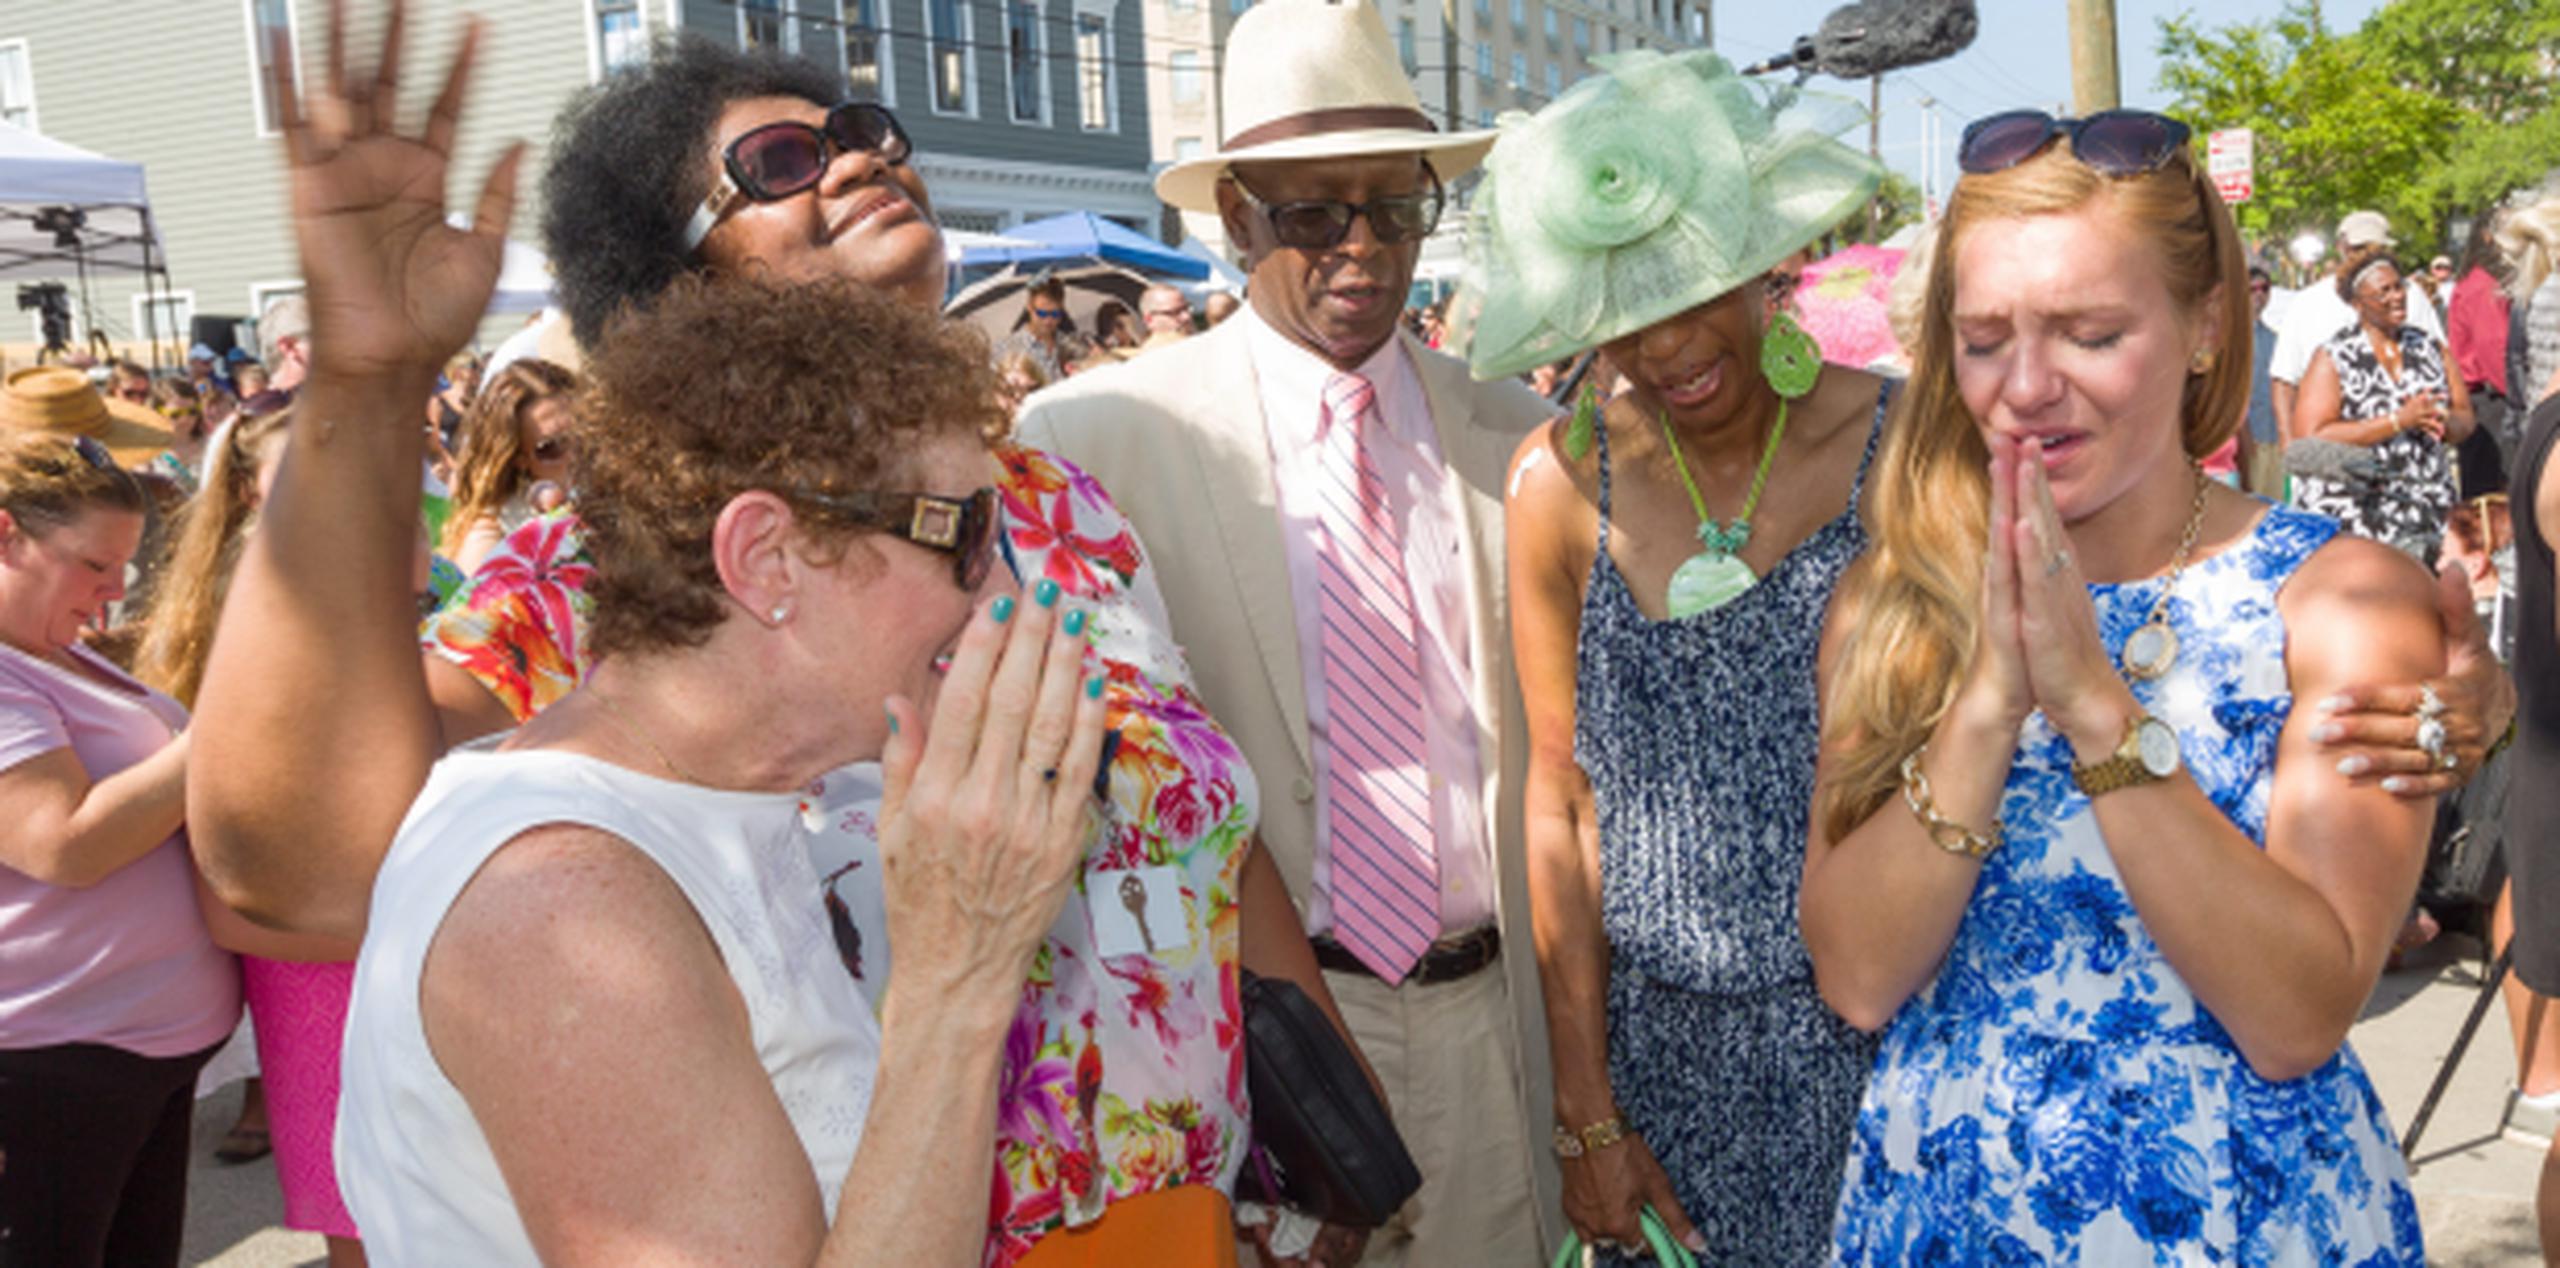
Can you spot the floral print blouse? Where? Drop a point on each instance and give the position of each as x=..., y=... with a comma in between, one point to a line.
x=1124, y=1069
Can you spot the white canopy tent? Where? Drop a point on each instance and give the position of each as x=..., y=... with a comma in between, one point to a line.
x=65, y=212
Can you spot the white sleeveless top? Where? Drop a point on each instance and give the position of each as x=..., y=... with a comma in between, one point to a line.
x=417, y=1173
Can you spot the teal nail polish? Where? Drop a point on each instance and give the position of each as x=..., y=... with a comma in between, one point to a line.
x=1001, y=609
x=1075, y=623
x=1046, y=593
x=893, y=724
x=1093, y=688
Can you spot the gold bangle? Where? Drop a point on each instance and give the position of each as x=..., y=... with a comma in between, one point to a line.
x=1945, y=833
x=1598, y=1136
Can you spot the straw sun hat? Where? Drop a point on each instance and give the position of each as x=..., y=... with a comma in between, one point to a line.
x=1316, y=79
x=58, y=399
x=1640, y=194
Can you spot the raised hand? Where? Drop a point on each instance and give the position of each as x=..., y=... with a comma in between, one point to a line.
x=393, y=289
x=1995, y=690
x=2074, y=680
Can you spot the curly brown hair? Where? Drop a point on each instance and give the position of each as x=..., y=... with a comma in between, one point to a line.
x=729, y=384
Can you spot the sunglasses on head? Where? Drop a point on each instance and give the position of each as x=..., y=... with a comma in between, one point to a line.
x=2115, y=142
x=963, y=528
x=781, y=159
x=550, y=449
x=1316, y=224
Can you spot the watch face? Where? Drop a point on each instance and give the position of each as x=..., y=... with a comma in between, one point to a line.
x=2159, y=746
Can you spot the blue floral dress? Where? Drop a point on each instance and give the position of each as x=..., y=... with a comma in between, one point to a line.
x=2056, y=1095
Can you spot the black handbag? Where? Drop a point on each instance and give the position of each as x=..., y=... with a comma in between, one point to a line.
x=1323, y=1142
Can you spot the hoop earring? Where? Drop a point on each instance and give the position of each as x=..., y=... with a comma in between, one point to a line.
x=1789, y=358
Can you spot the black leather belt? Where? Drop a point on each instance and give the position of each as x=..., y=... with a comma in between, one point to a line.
x=1451, y=958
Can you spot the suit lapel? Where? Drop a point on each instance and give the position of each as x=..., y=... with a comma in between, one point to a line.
x=1235, y=476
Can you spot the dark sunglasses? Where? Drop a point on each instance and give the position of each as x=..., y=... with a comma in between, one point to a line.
x=963, y=528
x=782, y=159
x=2115, y=142
x=1049, y=314
x=1317, y=224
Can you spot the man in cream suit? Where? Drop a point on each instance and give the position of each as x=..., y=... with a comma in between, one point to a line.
x=1321, y=498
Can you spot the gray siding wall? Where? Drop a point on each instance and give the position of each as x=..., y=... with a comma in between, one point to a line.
x=168, y=84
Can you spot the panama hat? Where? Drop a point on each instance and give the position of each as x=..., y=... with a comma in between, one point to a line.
x=1316, y=79
x=58, y=399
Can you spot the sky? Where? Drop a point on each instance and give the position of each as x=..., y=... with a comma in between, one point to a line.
x=2021, y=58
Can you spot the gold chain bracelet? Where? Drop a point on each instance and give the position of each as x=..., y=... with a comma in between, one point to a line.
x=1949, y=835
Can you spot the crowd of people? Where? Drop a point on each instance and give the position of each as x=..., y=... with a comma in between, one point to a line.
x=851, y=774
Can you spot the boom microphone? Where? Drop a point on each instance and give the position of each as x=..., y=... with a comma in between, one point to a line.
x=1860, y=40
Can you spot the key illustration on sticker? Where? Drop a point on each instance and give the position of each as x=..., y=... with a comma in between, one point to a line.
x=1133, y=895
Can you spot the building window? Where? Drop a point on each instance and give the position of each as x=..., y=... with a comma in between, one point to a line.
x=763, y=24
x=1185, y=66
x=866, y=49
x=1555, y=81
x=1520, y=15
x=1238, y=6
x=167, y=316
x=1186, y=148
x=1552, y=38
x=1698, y=26
x=621, y=35
x=951, y=58
x=1582, y=36
x=1519, y=70
x=17, y=85
x=1093, y=71
x=1613, y=39
x=1024, y=69
x=1181, y=6
x=271, y=26
x=1484, y=14
x=1404, y=44
x=1484, y=62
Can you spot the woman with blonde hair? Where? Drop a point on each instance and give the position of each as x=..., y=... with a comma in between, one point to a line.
x=515, y=436
x=296, y=986
x=2074, y=852
x=2530, y=239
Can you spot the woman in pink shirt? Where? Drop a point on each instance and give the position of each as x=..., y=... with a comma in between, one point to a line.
x=112, y=994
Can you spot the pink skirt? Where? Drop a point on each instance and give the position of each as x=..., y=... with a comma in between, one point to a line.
x=301, y=1016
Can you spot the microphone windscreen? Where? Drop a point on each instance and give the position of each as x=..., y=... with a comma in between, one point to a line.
x=1862, y=40
x=2333, y=461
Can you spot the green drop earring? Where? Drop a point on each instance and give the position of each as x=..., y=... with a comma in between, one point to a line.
x=1789, y=358
x=1586, y=420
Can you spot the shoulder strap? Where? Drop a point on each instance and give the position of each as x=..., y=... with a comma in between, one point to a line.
x=1600, y=433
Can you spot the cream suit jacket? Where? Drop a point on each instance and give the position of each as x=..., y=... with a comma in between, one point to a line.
x=1177, y=438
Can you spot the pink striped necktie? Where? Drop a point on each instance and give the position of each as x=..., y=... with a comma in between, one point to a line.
x=1383, y=878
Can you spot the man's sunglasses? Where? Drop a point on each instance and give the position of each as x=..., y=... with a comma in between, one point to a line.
x=781, y=159
x=1317, y=224
x=963, y=528
x=2114, y=142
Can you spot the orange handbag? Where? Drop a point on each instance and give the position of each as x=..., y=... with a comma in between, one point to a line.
x=1183, y=1226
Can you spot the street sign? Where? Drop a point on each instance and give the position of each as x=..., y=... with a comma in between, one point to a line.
x=2231, y=159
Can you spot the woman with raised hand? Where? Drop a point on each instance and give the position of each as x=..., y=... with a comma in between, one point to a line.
x=706, y=162
x=2076, y=852
x=1671, y=552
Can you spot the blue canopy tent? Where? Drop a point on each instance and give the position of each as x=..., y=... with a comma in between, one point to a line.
x=1082, y=237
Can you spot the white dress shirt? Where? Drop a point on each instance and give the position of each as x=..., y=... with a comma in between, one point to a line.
x=1290, y=381
x=2317, y=312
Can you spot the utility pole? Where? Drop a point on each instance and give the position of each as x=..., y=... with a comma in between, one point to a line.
x=2093, y=57
x=1875, y=144
x=1928, y=155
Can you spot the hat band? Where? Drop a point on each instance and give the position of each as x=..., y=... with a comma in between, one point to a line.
x=1337, y=119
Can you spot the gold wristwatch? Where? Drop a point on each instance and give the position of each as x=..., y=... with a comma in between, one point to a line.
x=2148, y=754
x=1599, y=1135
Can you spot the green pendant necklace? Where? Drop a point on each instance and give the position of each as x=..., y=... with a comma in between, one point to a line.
x=1716, y=575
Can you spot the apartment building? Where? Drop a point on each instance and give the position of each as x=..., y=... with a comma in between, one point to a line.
x=1470, y=61
x=1019, y=109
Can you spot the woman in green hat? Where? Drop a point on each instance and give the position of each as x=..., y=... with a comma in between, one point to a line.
x=1671, y=555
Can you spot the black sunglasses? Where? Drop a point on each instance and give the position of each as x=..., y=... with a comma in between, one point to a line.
x=1316, y=224
x=963, y=528
x=2115, y=142
x=781, y=159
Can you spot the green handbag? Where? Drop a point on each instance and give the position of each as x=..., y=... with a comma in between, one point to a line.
x=1666, y=1252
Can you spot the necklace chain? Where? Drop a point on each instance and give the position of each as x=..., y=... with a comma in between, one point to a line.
x=1716, y=536
x=2186, y=546
x=637, y=732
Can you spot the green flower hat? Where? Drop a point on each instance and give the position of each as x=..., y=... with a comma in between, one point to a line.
x=1640, y=194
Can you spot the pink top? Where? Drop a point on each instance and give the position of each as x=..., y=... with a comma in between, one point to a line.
x=1291, y=382
x=126, y=962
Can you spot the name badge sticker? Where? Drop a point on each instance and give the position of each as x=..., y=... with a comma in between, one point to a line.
x=1137, y=911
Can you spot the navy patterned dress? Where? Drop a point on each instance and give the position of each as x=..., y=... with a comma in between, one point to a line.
x=2056, y=1095
x=2415, y=491
x=1698, y=735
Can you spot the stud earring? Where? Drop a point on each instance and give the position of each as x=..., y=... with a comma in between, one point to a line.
x=781, y=613
x=2201, y=362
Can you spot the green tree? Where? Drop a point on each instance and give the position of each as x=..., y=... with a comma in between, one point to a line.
x=1897, y=203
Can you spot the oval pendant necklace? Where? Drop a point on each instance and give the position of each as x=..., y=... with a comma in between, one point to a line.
x=1716, y=575
x=2153, y=646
